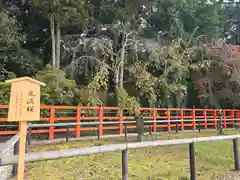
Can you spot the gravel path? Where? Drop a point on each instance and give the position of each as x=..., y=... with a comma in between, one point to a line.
x=231, y=176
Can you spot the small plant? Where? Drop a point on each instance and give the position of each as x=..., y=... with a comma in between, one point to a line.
x=59, y=89
x=139, y=127
x=125, y=101
x=4, y=93
x=220, y=128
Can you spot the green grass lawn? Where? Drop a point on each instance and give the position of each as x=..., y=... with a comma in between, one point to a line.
x=213, y=159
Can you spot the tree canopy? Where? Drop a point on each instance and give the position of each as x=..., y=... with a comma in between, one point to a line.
x=128, y=53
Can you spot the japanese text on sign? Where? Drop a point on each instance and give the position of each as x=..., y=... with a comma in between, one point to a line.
x=30, y=101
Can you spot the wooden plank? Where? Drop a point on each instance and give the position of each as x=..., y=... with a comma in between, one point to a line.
x=22, y=146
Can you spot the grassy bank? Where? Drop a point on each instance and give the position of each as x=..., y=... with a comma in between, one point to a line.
x=213, y=159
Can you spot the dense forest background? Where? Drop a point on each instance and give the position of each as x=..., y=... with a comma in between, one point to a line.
x=127, y=53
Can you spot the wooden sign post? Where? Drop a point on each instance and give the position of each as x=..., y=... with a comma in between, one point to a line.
x=24, y=106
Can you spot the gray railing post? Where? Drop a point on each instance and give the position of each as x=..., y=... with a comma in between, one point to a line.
x=15, y=166
x=235, y=151
x=124, y=165
x=98, y=131
x=67, y=134
x=177, y=127
x=29, y=136
x=150, y=129
x=192, y=161
x=199, y=126
x=125, y=130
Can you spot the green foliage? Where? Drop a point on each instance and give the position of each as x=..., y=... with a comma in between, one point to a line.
x=9, y=30
x=14, y=59
x=163, y=77
x=114, y=38
x=64, y=10
x=217, y=84
x=111, y=11
x=58, y=87
x=4, y=93
x=88, y=94
x=217, y=87
x=145, y=82
x=125, y=101
x=10, y=39
x=232, y=34
x=100, y=80
x=179, y=18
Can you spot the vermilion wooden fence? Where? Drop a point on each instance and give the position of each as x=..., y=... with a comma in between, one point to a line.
x=162, y=119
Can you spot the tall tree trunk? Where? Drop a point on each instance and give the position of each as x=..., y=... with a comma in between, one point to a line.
x=73, y=59
x=122, y=62
x=121, y=75
x=117, y=76
x=178, y=99
x=74, y=51
x=52, y=27
x=113, y=58
x=58, y=43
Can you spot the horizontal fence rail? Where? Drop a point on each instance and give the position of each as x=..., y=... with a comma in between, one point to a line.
x=112, y=119
x=97, y=124
x=8, y=145
x=11, y=146
x=39, y=156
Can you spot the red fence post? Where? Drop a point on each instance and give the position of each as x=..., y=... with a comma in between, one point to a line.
x=205, y=118
x=182, y=119
x=100, y=116
x=215, y=118
x=238, y=117
x=194, y=118
x=78, y=129
x=169, y=120
x=154, y=120
x=51, y=128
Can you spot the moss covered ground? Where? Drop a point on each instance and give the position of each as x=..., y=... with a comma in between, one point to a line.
x=213, y=160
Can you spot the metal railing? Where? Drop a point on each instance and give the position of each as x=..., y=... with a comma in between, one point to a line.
x=39, y=156
x=53, y=114
x=147, y=124
x=12, y=143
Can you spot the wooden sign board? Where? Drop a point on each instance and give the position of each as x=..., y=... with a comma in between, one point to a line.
x=24, y=105
x=24, y=102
